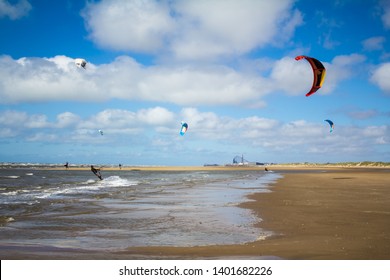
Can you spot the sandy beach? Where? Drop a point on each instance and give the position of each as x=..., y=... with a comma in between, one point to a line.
x=343, y=213
x=315, y=213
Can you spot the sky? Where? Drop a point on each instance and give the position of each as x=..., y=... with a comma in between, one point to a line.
x=226, y=67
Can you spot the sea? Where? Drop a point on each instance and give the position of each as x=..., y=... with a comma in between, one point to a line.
x=129, y=208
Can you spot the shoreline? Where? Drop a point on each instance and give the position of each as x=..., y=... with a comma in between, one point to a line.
x=332, y=213
x=273, y=168
x=205, y=167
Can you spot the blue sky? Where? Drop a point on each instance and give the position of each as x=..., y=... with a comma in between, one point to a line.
x=227, y=68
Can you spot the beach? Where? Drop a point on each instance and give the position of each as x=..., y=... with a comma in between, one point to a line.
x=330, y=213
x=343, y=213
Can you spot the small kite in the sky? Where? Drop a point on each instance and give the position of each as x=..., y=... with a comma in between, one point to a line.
x=183, y=129
x=101, y=132
x=331, y=124
x=80, y=62
x=319, y=72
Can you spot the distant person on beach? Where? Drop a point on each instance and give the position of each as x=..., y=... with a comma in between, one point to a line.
x=120, y=166
x=96, y=171
x=266, y=169
x=66, y=165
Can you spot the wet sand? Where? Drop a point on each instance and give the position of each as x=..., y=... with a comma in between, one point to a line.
x=315, y=213
x=337, y=214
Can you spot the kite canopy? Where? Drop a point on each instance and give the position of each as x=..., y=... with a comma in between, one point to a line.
x=80, y=62
x=331, y=124
x=101, y=132
x=184, y=128
x=319, y=72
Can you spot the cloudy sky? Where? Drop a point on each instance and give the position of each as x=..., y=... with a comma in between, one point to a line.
x=226, y=67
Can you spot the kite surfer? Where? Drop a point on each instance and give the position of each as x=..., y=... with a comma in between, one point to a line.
x=96, y=171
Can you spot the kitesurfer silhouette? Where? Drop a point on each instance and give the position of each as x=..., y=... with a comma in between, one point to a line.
x=96, y=171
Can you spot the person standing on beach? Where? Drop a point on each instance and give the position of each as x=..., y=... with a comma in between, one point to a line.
x=66, y=165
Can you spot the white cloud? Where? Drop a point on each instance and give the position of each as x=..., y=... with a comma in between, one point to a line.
x=291, y=76
x=386, y=13
x=13, y=118
x=38, y=79
x=53, y=79
x=67, y=119
x=131, y=25
x=190, y=85
x=194, y=29
x=213, y=28
x=36, y=121
x=381, y=77
x=296, y=77
x=374, y=131
x=15, y=123
x=341, y=68
x=109, y=118
x=14, y=11
x=156, y=116
x=58, y=79
x=374, y=43
x=157, y=129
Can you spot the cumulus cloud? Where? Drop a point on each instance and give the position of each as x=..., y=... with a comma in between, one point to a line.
x=57, y=79
x=190, y=29
x=15, y=123
x=342, y=67
x=381, y=77
x=296, y=77
x=138, y=25
x=14, y=11
x=53, y=79
x=156, y=116
x=13, y=118
x=38, y=79
x=67, y=119
x=214, y=28
x=158, y=128
x=291, y=76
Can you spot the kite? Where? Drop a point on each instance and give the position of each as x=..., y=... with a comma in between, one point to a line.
x=330, y=124
x=319, y=72
x=184, y=127
x=101, y=132
x=80, y=62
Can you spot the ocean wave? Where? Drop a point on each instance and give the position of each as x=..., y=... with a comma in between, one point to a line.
x=117, y=181
x=10, y=177
x=11, y=193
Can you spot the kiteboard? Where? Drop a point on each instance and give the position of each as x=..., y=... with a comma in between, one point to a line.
x=98, y=175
